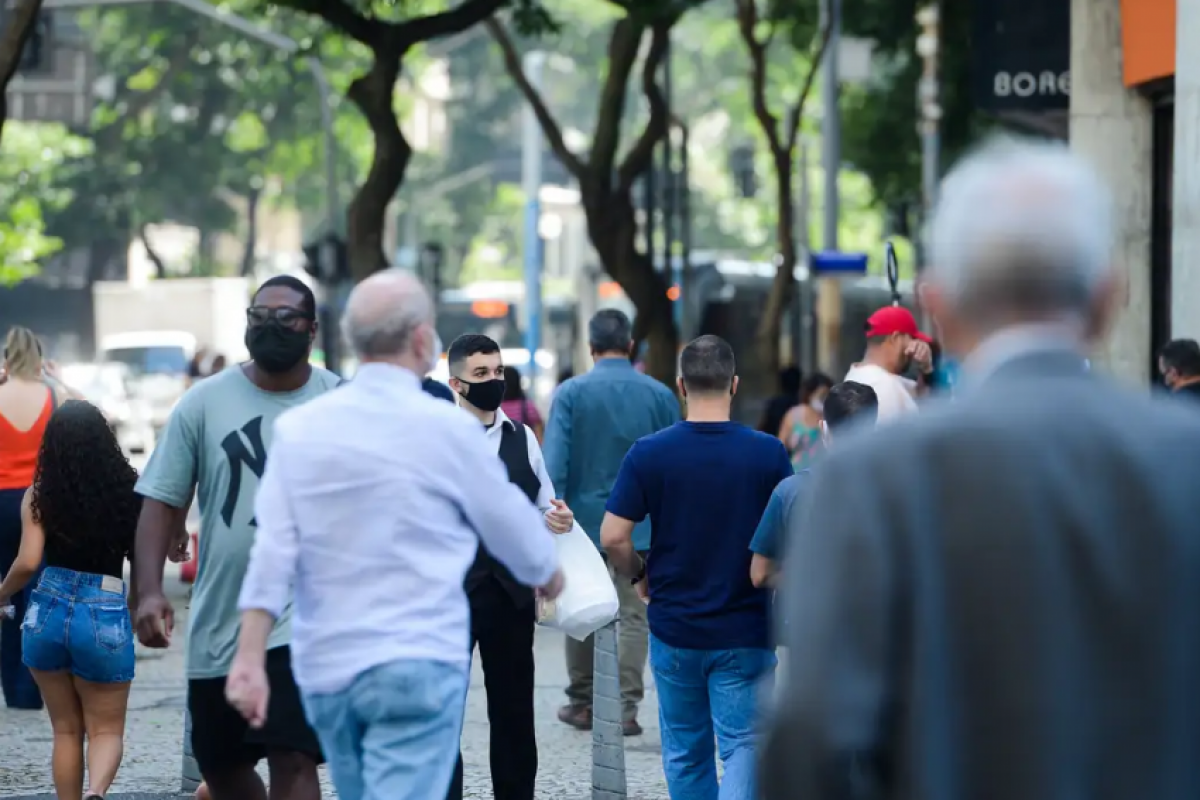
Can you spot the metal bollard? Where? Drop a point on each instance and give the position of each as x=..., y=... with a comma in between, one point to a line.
x=608, y=740
x=191, y=770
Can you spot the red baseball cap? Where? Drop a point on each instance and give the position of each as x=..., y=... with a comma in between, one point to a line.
x=894, y=319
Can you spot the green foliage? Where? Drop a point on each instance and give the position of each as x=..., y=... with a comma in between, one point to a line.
x=198, y=115
x=879, y=120
x=29, y=156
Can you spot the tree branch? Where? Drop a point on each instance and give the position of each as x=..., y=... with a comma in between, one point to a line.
x=344, y=18
x=21, y=19
x=550, y=127
x=816, y=55
x=465, y=15
x=747, y=19
x=623, y=46
x=639, y=157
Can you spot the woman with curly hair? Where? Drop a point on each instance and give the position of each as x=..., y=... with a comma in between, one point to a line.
x=79, y=518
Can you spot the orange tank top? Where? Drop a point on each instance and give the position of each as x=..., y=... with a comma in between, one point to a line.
x=19, y=449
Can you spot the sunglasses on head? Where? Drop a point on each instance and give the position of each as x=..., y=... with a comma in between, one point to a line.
x=260, y=315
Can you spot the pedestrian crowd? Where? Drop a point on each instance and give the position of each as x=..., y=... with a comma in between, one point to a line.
x=989, y=594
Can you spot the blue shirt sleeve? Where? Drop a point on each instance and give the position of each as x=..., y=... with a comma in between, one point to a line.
x=770, y=527
x=628, y=497
x=556, y=447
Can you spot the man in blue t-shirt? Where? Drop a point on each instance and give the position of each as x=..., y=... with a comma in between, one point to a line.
x=703, y=483
x=847, y=402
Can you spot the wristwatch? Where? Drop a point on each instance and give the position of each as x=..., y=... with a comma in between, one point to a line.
x=641, y=576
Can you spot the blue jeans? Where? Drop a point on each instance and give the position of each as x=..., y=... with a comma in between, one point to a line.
x=17, y=684
x=702, y=692
x=393, y=733
x=78, y=622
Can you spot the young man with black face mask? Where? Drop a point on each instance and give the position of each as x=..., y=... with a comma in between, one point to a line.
x=502, y=610
x=216, y=443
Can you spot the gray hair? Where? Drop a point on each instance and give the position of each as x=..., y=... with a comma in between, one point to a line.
x=1022, y=231
x=382, y=313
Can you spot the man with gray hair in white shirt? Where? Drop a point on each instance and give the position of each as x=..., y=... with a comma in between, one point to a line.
x=373, y=504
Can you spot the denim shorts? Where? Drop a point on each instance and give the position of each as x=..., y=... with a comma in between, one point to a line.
x=78, y=622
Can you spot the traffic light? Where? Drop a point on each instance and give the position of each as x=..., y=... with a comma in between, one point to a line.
x=35, y=56
x=741, y=166
x=327, y=259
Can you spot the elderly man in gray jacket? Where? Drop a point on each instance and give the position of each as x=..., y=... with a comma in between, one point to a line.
x=1000, y=599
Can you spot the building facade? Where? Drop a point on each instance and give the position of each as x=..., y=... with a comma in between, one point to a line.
x=1123, y=117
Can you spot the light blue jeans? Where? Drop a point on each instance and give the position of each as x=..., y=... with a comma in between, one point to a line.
x=702, y=692
x=393, y=733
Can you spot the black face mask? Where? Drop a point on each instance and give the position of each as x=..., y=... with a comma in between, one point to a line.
x=485, y=395
x=275, y=348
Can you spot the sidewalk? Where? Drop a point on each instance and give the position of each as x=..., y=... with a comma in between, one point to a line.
x=151, y=769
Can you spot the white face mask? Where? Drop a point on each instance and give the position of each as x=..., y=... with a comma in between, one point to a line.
x=817, y=404
x=435, y=353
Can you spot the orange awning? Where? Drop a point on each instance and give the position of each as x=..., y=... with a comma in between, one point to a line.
x=1148, y=40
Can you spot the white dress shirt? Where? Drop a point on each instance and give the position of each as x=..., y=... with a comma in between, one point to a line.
x=536, y=461
x=372, y=506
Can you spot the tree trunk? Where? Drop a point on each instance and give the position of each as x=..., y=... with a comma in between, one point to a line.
x=160, y=268
x=612, y=229
x=373, y=94
x=783, y=287
x=20, y=20
x=251, y=245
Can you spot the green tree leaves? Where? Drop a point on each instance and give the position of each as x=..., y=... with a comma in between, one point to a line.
x=29, y=157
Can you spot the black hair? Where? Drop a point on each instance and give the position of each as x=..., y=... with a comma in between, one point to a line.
x=308, y=301
x=512, y=384
x=851, y=401
x=1183, y=356
x=83, y=485
x=813, y=384
x=467, y=345
x=790, y=380
x=706, y=365
x=610, y=331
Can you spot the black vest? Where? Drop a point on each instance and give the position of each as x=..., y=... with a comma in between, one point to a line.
x=514, y=453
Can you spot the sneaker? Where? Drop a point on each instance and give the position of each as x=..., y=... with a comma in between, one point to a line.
x=630, y=727
x=578, y=717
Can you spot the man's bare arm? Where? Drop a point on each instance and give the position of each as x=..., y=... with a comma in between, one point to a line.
x=158, y=529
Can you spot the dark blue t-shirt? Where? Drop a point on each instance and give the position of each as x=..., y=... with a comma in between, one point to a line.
x=704, y=486
x=438, y=389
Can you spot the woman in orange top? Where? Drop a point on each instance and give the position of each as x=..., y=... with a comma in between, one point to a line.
x=26, y=403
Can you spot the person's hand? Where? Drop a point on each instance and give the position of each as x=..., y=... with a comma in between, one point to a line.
x=559, y=518
x=554, y=588
x=921, y=354
x=247, y=689
x=643, y=590
x=178, y=554
x=155, y=620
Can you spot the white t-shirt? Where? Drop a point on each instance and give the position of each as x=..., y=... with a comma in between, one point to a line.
x=897, y=395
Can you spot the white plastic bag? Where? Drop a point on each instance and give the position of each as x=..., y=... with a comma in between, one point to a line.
x=589, y=600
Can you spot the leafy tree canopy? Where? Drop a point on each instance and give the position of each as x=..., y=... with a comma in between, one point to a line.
x=29, y=156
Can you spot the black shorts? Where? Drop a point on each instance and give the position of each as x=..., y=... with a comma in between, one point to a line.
x=223, y=740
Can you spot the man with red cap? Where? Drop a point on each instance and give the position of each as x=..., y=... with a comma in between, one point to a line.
x=894, y=343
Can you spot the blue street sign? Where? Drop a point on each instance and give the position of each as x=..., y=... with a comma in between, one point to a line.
x=834, y=263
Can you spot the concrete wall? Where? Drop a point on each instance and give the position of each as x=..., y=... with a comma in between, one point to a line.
x=1185, y=230
x=1111, y=125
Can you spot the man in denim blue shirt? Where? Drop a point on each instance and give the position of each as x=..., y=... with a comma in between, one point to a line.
x=847, y=402
x=594, y=421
